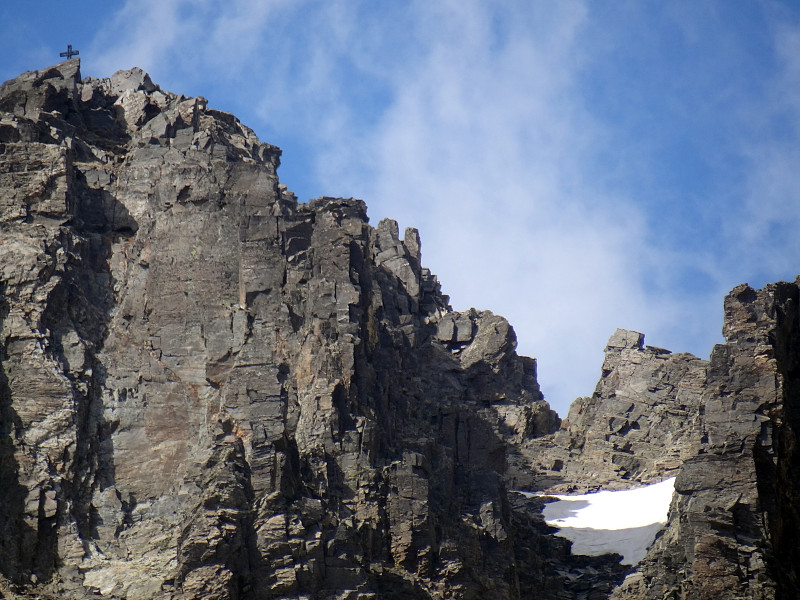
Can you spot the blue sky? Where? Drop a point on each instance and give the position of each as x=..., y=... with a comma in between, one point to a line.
x=575, y=166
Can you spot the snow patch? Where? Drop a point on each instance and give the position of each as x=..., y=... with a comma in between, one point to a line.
x=625, y=521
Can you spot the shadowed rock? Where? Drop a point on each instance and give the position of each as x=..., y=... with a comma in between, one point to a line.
x=211, y=390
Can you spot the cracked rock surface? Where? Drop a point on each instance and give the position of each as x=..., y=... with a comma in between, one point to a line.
x=209, y=390
x=726, y=428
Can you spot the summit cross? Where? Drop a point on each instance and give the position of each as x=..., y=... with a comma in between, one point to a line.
x=70, y=52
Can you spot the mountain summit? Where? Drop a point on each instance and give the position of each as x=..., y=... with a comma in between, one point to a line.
x=211, y=390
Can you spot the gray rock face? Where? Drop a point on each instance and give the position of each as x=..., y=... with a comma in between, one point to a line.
x=734, y=521
x=726, y=427
x=209, y=390
x=639, y=427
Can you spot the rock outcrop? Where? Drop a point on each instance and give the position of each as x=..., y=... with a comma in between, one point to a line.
x=641, y=424
x=727, y=428
x=734, y=522
x=210, y=390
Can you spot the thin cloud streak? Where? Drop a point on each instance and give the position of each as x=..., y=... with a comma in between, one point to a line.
x=763, y=235
x=550, y=184
x=142, y=34
x=189, y=41
x=483, y=151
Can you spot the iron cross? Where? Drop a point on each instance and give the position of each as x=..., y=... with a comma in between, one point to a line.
x=70, y=52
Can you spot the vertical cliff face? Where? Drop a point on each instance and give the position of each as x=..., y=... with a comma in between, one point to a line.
x=210, y=390
x=726, y=428
x=734, y=521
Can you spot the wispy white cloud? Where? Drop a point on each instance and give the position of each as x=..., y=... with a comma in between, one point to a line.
x=482, y=148
x=550, y=184
x=190, y=42
x=764, y=231
x=141, y=33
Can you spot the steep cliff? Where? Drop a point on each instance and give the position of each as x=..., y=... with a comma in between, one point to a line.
x=727, y=428
x=211, y=390
x=734, y=521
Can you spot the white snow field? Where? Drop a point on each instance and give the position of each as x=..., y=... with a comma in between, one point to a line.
x=625, y=521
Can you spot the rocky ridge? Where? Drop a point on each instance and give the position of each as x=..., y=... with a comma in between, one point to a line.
x=726, y=428
x=211, y=390
x=641, y=424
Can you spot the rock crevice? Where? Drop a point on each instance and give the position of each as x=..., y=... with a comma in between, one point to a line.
x=211, y=390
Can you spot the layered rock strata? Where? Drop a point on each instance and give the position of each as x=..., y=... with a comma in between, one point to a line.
x=727, y=428
x=210, y=390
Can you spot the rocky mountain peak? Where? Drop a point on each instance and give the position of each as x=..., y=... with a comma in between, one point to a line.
x=211, y=390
